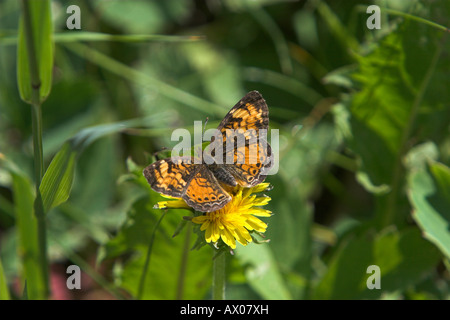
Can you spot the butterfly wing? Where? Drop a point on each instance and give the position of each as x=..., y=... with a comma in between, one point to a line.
x=171, y=177
x=251, y=112
x=196, y=183
x=204, y=193
x=181, y=178
x=253, y=170
x=251, y=154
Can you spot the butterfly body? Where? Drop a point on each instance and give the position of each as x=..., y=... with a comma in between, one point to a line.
x=201, y=185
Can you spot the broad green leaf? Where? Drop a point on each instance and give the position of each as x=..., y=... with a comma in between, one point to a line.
x=27, y=234
x=430, y=198
x=404, y=258
x=42, y=31
x=167, y=270
x=4, y=292
x=262, y=271
x=289, y=229
x=57, y=181
x=399, y=83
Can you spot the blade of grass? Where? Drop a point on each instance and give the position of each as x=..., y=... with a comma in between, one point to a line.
x=97, y=36
x=34, y=75
x=405, y=15
x=283, y=82
x=27, y=234
x=337, y=27
x=266, y=21
x=64, y=37
x=141, y=78
x=57, y=181
x=147, y=257
x=4, y=292
x=35, y=51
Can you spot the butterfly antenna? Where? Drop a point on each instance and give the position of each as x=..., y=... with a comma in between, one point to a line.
x=204, y=127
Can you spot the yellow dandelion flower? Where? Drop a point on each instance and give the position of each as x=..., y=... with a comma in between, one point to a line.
x=171, y=203
x=235, y=220
x=238, y=218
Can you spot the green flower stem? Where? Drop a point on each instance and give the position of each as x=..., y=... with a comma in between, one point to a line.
x=408, y=16
x=218, y=285
x=415, y=18
x=37, y=143
x=184, y=261
x=147, y=258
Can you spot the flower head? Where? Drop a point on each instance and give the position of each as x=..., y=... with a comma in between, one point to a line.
x=171, y=203
x=236, y=219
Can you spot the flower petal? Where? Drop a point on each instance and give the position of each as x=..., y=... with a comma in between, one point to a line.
x=235, y=220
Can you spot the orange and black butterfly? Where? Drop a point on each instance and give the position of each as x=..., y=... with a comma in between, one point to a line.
x=202, y=185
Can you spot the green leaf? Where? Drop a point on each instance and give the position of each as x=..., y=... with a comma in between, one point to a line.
x=169, y=275
x=42, y=31
x=397, y=100
x=4, y=292
x=430, y=198
x=27, y=234
x=98, y=36
x=57, y=181
x=262, y=271
x=403, y=257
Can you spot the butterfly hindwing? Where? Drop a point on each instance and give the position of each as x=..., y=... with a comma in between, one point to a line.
x=192, y=182
x=204, y=193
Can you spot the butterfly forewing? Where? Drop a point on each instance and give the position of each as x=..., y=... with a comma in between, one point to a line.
x=244, y=138
x=171, y=177
x=246, y=156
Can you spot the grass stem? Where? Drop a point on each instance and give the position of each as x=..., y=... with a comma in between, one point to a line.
x=37, y=143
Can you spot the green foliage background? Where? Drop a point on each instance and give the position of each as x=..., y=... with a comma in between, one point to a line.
x=364, y=146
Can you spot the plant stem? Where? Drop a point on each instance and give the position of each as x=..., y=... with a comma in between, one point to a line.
x=147, y=258
x=92, y=272
x=388, y=217
x=277, y=37
x=37, y=143
x=415, y=18
x=408, y=16
x=183, y=266
x=137, y=76
x=218, y=285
